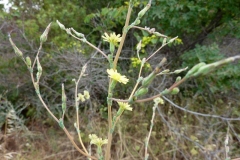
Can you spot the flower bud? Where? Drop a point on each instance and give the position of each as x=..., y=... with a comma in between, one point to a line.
x=143, y=11
x=29, y=62
x=194, y=69
x=39, y=67
x=166, y=91
x=43, y=37
x=137, y=22
x=139, y=45
x=159, y=34
x=68, y=31
x=38, y=75
x=17, y=51
x=178, y=78
x=61, y=25
x=204, y=70
x=164, y=41
x=165, y=71
x=180, y=70
x=175, y=91
x=141, y=92
x=147, y=80
x=171, y=40
x=77, y=33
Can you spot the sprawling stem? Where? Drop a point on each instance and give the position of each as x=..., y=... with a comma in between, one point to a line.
x=55, y=118
x=50, y=112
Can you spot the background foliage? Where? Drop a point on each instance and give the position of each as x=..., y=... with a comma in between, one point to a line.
x=209, y=31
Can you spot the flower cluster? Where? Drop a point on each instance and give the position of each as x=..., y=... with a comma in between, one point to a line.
x=82, y=97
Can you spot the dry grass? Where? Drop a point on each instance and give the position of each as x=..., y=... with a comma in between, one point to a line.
x=176, y=135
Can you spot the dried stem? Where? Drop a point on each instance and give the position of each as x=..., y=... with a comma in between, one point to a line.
x=77, y=107
x=50, y=112
x=150, y=131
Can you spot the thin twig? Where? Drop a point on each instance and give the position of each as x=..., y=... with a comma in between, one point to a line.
x=150, y=131
x=77, y=107
x=90, y=44
x=200, y=114
x=175, y=130
x=138, y=81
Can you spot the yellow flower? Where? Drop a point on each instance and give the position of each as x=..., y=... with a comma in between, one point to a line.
x=158, y=100
x=86, y=94
x=97, y=141
x=124, y=106
x=81, y=97
x=113, y=38
x=117, y=76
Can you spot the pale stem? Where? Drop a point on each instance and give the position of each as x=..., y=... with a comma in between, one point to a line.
x=136, y=85
x=77, y=109
x=49, y=111
x=37, y=56
x=150, y=131
x=124, y=33
x=156, y=51
x=65, y=130
x=108, y=151
x=90, y=44
x=147, y=30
